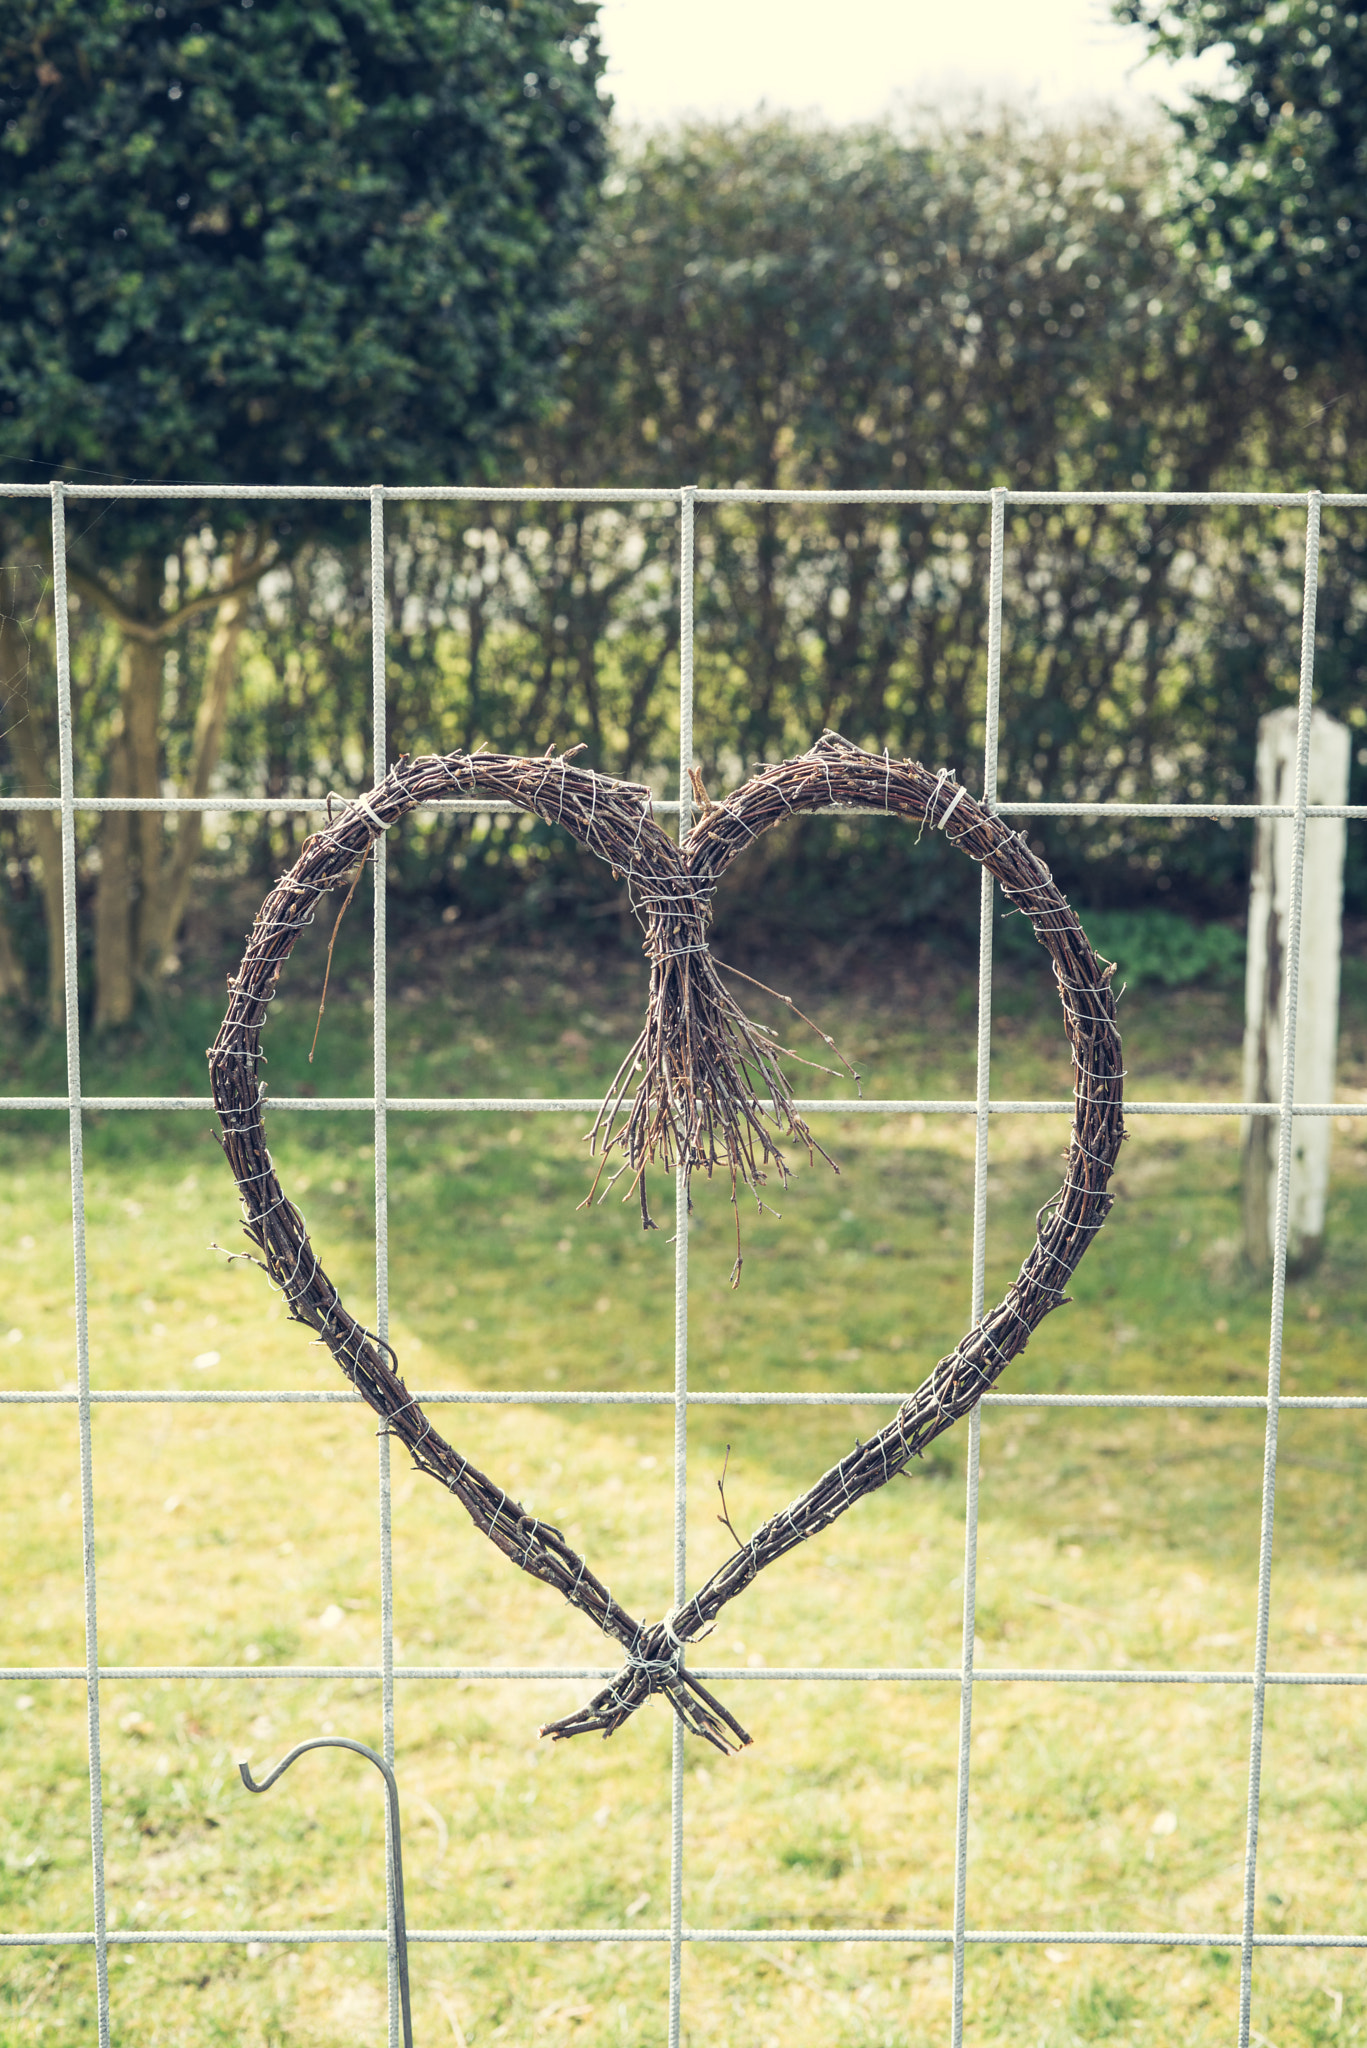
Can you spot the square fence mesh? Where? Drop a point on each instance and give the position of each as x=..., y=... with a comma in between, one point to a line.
x=958, y=1936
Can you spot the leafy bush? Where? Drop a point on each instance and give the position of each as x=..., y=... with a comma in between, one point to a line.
x=1147, y=946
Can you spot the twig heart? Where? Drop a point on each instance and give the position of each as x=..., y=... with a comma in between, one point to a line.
x=701, y=1088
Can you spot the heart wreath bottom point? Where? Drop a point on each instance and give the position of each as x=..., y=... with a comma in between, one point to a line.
x=710, y=1095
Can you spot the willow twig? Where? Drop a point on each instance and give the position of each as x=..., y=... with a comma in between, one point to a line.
x=725, y=1516
x=327, y=971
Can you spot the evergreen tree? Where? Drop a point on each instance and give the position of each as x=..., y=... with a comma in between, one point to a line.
x=264, y=241
x=1272, y=184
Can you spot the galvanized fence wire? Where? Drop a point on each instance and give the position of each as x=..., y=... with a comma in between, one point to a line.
x=380, y=1009
x=958, y=1937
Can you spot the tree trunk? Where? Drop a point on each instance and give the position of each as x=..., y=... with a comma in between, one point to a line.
x=28, y=750
x=167, y=889
x=12, y=982
x=144, y=882
x=114, y=987
x=146, y=675
x=129, y=841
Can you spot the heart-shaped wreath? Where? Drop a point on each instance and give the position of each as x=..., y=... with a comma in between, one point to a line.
x=708, y=1093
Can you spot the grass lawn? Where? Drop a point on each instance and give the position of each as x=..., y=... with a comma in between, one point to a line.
x=247, y=1536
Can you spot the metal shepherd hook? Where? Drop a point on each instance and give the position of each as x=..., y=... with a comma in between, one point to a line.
x=396, y=1859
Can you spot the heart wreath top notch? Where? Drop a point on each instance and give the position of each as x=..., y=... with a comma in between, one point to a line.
x=701, y=1087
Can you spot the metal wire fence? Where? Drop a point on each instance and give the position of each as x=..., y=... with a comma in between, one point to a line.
x=380, y=1106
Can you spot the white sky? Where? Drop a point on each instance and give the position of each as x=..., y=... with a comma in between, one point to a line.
x=855, y=59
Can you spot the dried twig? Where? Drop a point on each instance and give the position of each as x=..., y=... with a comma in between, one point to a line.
x=725, y=1516
x=803, y=1018
x=327, y=971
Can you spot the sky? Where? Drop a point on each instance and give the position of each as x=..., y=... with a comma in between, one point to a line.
x=851, y=60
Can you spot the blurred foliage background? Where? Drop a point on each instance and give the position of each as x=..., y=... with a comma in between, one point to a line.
x=956, y=302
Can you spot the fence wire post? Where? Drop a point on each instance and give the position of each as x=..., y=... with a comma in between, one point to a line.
x=676, y=1778
x=981, y=1118
x=1285, y=1141
x=83, y=1397
x=380, y=991
x=72, y=1010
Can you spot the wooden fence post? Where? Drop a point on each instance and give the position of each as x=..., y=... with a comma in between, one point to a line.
x=1318, y=1008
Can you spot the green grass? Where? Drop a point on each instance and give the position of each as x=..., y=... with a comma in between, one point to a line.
x=249, y=1537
